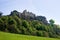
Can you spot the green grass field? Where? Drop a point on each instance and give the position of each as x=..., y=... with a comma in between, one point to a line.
x=10, y=36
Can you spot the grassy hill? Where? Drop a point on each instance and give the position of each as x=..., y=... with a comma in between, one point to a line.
x=29, y=24
x=10, y=36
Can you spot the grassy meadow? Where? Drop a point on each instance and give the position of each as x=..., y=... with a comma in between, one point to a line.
x=10, y=36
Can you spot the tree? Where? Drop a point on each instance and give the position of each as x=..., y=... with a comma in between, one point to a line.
x=42, y=19
x=12, y=25
x=13, y=13
x=25, y=24
x=51, y=22
x=3, y=22
x=1, y=14
x=1, y=25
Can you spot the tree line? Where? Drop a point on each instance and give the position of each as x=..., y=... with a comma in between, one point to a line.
x=28, y=24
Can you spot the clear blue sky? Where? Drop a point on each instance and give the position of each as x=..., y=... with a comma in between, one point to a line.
x=48, y=8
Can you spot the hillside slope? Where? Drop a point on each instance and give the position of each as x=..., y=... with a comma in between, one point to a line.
x=9, y=36
x=28, y=24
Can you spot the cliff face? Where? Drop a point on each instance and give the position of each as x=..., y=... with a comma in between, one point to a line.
x=29, y=16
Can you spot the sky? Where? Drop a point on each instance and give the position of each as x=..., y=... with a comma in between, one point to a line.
x=48, y=8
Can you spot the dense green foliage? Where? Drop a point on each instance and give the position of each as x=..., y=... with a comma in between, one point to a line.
x=22, y=23
x=10, y=36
